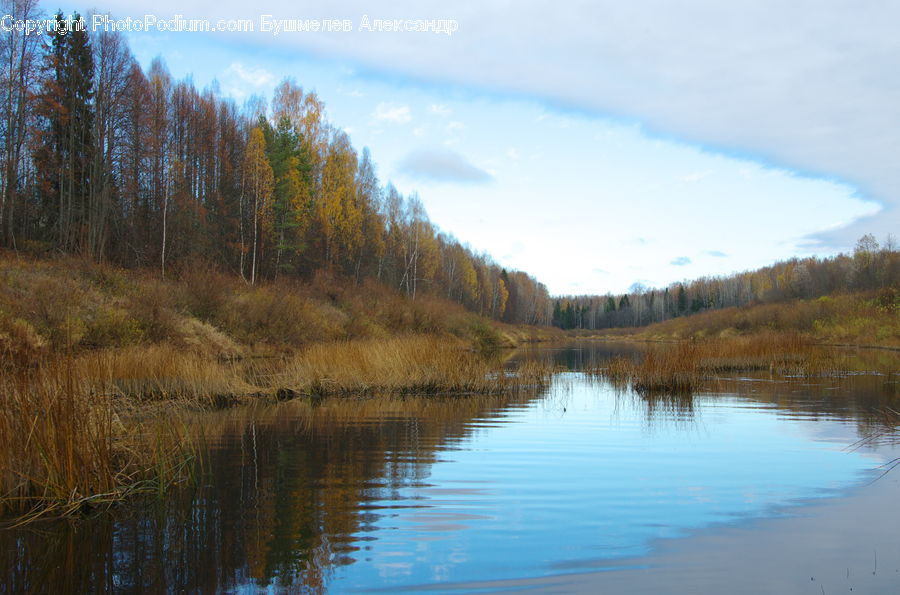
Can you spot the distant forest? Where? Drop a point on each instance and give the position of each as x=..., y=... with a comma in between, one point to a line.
x=871, y=267
x=104, y=160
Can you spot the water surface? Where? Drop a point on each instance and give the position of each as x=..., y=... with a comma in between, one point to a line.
x=418, y=493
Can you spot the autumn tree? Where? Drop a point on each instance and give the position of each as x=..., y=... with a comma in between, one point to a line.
x=371, y=250
x=258, y=181
x=19, y=69
x=338, y=213
x=113, y=76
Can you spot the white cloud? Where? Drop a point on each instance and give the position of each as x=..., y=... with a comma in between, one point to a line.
x=392, y=112
x=241, y=81
x=440, y=110
x=419, y=131
x=696, y=177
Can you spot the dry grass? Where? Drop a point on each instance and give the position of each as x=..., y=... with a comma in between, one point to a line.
x=682, y=367
x=859, y=319
x=58, y=305
x=163, y=373
x=77, y=431
x=65, y=446
x=81, y=431
x=414, y=364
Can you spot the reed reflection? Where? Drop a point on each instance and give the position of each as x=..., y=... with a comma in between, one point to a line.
x=287, y=496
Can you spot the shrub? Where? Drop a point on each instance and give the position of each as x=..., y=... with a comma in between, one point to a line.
x=110, y=326
x=203, y=292
x=152, y=309
x=266, y=314
x=20, y=343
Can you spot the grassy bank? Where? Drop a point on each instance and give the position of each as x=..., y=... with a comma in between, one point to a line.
x=401, y=365
x=53, y=306
x=856, y=319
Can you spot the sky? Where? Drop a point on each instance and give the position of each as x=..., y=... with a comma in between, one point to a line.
x=597, y=144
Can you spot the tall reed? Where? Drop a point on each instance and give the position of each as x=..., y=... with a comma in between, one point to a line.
x=77, y=431
x=412, y=364
x=682, y=367
x=64, y=444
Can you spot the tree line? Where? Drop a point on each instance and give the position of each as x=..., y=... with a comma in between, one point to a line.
x=871, y=267
x=104, y=159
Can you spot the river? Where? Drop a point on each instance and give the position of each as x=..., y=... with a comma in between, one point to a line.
x=755, y=484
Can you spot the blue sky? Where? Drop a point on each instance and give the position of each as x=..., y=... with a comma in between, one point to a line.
x=599, y=145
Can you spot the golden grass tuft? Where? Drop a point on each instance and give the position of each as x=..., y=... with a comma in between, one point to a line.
x=682, y=367
x=65, y=447
x=163, y=373
x=413, y=364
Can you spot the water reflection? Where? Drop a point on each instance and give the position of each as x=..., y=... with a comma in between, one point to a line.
x=371, y=493
x=287, y=498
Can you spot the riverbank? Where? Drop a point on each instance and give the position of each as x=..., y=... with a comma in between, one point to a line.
x=60, y=305
x=870, y=319
x=98, y=362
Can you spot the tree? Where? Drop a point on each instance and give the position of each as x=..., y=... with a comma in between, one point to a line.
x=113, y=63
x=64, y=153
x=19, y=67
x=158, y=141
x=864, y=255
x=339, y=215
x=135, y=167
x=368, y=203
x=682, y=300
x=258, y=182
x=101, y=158
x=291, y=196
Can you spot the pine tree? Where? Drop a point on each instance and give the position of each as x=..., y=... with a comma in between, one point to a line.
x=64, y=156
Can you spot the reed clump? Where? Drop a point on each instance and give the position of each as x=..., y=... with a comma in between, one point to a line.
x=81, y=430
x=66, y=445
x=682, y=367
x=415, y=364
x=163, y=373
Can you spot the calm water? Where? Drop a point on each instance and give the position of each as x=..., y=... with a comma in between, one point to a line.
x=384, y=494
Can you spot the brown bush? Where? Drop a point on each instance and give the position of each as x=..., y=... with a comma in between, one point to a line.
x=153, y=309
x=203, y=291
x=275, y=314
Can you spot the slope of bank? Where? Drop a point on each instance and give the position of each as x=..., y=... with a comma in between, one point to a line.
x=869, y=319
x=64, y=304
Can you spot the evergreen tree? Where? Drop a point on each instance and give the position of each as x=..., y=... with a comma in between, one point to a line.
x=64, y=155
